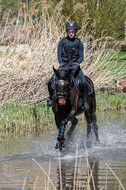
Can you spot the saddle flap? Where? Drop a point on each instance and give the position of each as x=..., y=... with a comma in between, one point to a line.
x=77, y=84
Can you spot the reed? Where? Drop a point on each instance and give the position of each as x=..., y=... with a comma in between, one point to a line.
x=88, y=183
x=29, y=52
x=21, y=119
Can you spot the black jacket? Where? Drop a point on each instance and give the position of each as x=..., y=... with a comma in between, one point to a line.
x=70, y=50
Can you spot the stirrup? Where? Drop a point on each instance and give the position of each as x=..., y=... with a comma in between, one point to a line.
x=86, y=106
x=49, y=103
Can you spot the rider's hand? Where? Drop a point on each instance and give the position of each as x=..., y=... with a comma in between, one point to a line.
x=62, y=64
x=76, y=65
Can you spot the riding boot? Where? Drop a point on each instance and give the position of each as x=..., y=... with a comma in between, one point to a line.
x=85, y=97
x=49, y=103
x=51, y=92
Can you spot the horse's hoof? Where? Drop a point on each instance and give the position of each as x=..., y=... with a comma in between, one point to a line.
x=60, y=138
x=97, y=139
x=61, y=147
x=57, y=146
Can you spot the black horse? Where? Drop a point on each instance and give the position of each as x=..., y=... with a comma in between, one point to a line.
x=67, y=104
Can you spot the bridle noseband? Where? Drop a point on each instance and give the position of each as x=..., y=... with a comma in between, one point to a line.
x=61, y=95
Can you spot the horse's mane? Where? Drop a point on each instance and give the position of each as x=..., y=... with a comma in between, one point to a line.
x=64, y=73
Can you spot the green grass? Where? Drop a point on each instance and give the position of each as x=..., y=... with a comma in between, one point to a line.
x=21, y=119
x=108, y=101
x=121, y=56
x=117, y=63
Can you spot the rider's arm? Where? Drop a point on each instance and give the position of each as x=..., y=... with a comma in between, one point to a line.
x=59, y=53
x=81, y=53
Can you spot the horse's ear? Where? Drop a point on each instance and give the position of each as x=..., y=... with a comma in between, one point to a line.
x=56, y=72
x=54, y=69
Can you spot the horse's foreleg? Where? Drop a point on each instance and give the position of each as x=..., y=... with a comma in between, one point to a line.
x=69, y=116
x=61, y=129
x=74, y=101
x=60, y=138
x=74, y=123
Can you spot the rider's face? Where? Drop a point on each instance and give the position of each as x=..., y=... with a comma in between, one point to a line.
x=71, y=33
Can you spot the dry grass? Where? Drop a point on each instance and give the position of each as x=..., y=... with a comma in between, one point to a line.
x=27, y=58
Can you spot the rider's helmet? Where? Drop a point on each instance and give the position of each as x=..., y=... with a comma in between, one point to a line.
x=71, y=25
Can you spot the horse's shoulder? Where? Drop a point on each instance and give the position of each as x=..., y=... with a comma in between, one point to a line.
x=74, y=89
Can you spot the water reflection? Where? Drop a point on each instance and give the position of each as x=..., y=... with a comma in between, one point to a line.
x=80, y=176
x=91, y=173
x=72, y=174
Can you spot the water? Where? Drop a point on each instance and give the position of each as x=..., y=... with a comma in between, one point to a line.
x=33, y=163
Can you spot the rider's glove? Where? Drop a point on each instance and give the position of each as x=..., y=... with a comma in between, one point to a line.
x=76, y=66
x=61, y=64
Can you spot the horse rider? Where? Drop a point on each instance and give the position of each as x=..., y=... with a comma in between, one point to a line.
x=70, y=51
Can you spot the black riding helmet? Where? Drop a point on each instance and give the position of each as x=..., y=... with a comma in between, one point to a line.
x=71, y=25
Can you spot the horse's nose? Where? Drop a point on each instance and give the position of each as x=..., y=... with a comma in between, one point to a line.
x=62, y=101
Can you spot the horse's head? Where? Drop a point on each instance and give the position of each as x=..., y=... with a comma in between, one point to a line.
x=62, y=84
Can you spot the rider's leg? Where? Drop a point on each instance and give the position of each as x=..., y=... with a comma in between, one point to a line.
x=50, y=85
x=84, y=89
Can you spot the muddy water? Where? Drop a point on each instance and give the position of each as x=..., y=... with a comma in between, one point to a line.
x=33, y=163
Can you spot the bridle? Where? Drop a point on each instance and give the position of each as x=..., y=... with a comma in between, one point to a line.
x=64, y=95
